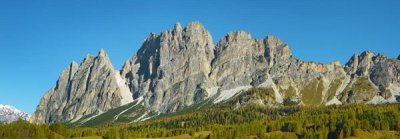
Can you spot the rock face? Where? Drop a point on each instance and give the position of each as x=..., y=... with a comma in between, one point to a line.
x=308, y=82
x=10, y=114
x=90, y=88
x=182, y=67
x=239, y=62
x=371, y=74
x=171, y=69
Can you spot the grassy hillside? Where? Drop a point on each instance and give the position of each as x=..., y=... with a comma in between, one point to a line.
x=131, y=112
x=255, y=120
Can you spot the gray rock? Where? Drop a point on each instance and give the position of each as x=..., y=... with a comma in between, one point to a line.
x=165, y=77
x=182, y=67
x=381, y=73
x=360, y=65
x=91, y=88
x=171, y=69
x=239, y=61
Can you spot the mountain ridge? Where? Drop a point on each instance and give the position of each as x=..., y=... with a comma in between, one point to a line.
x=182, y=67
x=91, y=87
x=10, y=114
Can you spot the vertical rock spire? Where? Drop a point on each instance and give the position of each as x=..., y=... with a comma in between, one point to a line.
x=102, y=53
x=352, y=64
x=91, y=88
x=177, y=28
x=171, y=74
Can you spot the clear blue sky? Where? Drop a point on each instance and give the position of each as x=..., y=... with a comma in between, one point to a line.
x=38, y=39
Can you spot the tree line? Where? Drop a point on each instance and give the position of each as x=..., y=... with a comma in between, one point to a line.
x=251, y=121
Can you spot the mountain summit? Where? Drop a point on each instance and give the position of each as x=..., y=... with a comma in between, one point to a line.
x=92, y=87
x=10, y=114
x=181, y=68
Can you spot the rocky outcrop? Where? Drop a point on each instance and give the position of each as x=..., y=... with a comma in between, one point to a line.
x=268, y=63
x=307, y=82
x=374, y=76
x=239, y=62
x=360, y=65
x=90, y=88
x=171, y=69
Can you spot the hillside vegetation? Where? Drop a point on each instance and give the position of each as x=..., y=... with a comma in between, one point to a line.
x=249, y=121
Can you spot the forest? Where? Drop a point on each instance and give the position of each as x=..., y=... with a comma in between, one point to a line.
x=250, y=121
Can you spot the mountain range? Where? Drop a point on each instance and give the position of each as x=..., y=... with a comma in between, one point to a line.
x=10, y=114
x=182, y=68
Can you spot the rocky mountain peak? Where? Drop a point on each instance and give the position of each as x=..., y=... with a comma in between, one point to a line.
x=88, y=58
x=237, y=36
x=10, y=114
x=92, y=88
x=365, y=62
x=164, y=62
x=102, y=58
x=352, y=64
x=195, y=26
x=398, y=58
x=195, y=31
x=360, y=64
x=337, y=63
x=73, y=67
x=272, y=40
x=366, y=56
x=73, y=63
x=233, y=37
x=151, y=36
x=177, y=28
x=379, y=57
x=102, y=53
x=277, y=51
x=67, y=74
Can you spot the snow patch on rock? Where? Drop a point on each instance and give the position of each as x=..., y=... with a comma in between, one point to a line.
x=226, y=94
x=334, y=101
x=377, y=100
x=142, y=117
x=138, y=100
x=76, y=119
x=10, y=114
x=90, y=118
x=270, y=84
x=395, y=90
x=212, y=91
x=125, y=92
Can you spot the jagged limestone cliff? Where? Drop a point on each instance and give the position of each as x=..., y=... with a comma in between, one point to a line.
x=90, y=88
x=182, y=67
x=375, y=77
x=171, y=69
x=239, y=62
